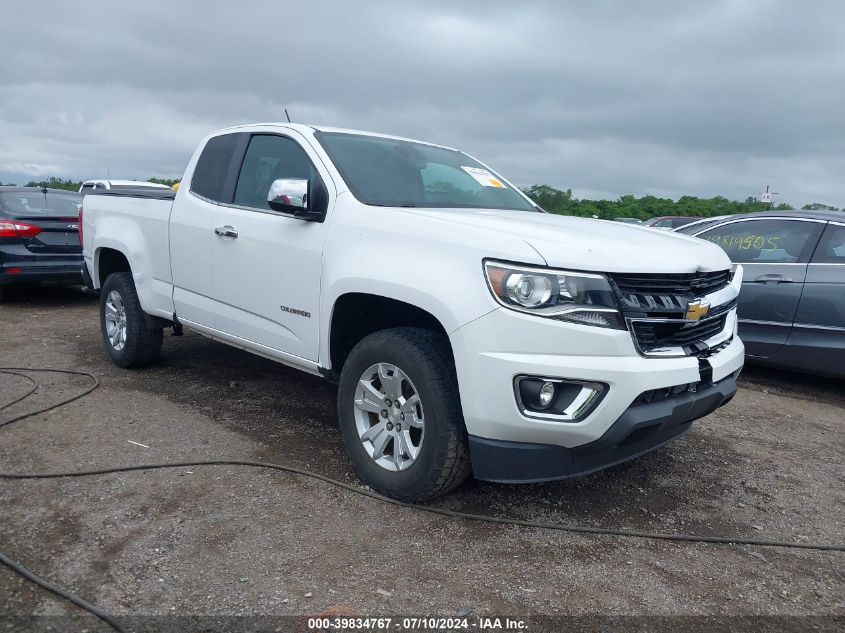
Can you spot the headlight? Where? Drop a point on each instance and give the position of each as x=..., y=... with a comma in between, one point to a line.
x=557, y=294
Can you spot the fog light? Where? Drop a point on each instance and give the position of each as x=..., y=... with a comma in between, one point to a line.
x=558, y=399
x=547, y=394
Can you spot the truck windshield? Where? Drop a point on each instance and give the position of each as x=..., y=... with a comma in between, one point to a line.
x=393, y=173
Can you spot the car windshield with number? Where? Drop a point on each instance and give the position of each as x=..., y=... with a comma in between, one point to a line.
x=781, y=241
x=395, y=173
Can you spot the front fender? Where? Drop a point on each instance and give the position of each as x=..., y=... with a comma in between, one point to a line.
x=427, y=263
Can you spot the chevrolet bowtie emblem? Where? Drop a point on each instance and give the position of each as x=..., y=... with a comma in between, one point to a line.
x=696, y=310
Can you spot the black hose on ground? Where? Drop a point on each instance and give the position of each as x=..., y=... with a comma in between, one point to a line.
x=95, y=382
x=31, y=391
x=62, y=593
x=578, y=529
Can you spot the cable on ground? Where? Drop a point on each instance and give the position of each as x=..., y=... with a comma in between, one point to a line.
x=457, y=514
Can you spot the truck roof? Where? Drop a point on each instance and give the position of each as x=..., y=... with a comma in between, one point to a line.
x=306, y=128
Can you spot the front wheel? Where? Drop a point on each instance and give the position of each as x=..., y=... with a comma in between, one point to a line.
x=129, y=341
x=400, y=414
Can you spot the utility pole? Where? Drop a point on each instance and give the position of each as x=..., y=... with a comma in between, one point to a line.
x=766, y=196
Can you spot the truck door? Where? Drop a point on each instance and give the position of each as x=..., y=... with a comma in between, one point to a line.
x=774, y=253
x=192, y=222
x=266, y=266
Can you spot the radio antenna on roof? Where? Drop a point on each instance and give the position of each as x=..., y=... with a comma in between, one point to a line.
x=287, y=115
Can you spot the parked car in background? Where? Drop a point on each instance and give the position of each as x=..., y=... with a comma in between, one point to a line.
x=467, y=329
x=669, y=222
x=39, y=238
x=628, y=220
x=98, y=185
x=792, y=304
x=700, y=224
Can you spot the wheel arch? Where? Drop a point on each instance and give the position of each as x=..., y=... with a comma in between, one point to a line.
x=109, y=260
x=355, y=315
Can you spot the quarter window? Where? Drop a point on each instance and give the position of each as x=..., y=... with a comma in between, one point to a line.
x=831, y=249
x=765, y=241
x=210, y=172
x=270, y=158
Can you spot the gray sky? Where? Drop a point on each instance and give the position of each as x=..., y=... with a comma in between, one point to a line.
x=608, y=98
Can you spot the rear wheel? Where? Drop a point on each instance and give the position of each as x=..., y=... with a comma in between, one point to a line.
x=129, y=340
x=400, y=414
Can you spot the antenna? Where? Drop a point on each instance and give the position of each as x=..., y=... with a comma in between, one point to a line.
x=287, y=115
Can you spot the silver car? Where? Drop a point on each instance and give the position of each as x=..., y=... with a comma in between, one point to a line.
x=792, y=304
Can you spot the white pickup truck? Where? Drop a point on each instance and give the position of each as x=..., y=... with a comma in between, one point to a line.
x=468, y=330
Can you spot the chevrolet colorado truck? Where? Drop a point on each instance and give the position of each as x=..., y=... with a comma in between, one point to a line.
x=468, y=330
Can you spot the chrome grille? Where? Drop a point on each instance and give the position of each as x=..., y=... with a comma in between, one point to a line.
x=655, y=307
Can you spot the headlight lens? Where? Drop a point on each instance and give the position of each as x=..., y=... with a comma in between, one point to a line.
x=529, y=291
x=558, y=294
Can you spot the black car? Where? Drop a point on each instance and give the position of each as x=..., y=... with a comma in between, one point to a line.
x=792, y=305
x=39, y=236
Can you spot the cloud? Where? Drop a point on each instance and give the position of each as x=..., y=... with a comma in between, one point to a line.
x=604, y=97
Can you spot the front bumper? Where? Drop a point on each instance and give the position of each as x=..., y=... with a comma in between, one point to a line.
x=641, y=429
x=490, y=351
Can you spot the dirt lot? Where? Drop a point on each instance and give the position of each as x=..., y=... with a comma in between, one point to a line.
x=235, y=541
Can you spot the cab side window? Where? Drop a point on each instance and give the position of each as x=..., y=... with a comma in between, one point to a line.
x=765, y=241
x=831, y=249
x=209, y=176
x=270, y=158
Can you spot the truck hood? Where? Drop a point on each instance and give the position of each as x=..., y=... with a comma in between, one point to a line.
x=587, y=244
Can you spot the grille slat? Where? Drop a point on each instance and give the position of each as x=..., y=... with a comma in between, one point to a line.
x=687, y=284
x=651, y=335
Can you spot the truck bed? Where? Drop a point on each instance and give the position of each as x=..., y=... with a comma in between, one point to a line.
x=135, y=223
x=140, y=192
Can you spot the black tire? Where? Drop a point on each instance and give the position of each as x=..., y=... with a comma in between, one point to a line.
x=443, y=460
x=143, y=343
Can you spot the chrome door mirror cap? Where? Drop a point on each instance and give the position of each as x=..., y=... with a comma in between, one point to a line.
x=288, y=195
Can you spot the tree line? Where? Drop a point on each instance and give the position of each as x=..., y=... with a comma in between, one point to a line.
x=629, y=206
x=73, y=185
x=563, y=202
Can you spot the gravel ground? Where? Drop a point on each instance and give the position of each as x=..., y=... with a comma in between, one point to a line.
x=226, y=541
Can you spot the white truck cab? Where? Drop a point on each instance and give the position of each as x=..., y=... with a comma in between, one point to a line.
x=468, y=330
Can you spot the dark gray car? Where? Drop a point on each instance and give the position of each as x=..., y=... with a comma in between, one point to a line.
x=39, y=237
x=792, y=304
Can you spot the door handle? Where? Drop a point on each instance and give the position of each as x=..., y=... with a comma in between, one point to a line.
x=773, y=278
x=226, y=231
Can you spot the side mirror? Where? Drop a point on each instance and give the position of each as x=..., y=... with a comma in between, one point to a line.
x=301, y=198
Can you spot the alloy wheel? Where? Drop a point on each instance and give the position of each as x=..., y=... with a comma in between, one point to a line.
x=389, y=416
x=115, y=320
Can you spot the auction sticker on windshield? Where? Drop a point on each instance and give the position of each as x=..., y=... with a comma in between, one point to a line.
x=483, y=176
